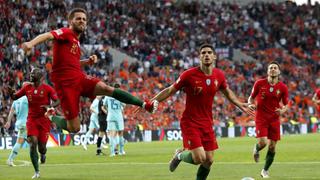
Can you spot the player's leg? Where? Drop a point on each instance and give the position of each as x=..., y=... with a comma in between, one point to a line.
x=196, y=154
x=69, y=102
x=261, y=144
x=269, y=158
x=204, y=168
x=92, y=126
x=121, y=143
x=102, y=132
x=209, y=144
x=42, y=150
x=33, y=143
x=262, y=140
x=103, y=89
x=274, y=136
x=44, y=131
x=112, y=142
x=15, y=150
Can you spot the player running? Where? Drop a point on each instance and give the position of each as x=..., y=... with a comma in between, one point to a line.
x=39, y=97
x=268, y=92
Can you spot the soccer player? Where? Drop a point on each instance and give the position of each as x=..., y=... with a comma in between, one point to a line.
x=70, y=82
x=94, y=125
x=200, y=84
x=316, y=99
x=102, y=116
x=115, y=123
x=268, y=92
x=19, y=107
x=38, y=125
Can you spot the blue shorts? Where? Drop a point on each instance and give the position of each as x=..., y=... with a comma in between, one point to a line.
x=115, y=126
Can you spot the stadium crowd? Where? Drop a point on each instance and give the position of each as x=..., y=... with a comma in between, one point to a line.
x=163, y=36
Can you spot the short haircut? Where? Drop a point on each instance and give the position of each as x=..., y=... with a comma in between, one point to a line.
x=116, y=85
x=76, y=10
x=274, y=62
x=206, y=45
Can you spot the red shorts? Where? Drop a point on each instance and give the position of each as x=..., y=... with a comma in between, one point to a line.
x=268, y=129
x=69, y=95
x=40, y=128
x=194, y=137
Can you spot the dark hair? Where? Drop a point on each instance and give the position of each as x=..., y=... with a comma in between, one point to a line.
x=76, y=10
x=116, y=85
x=274, y=62
x=206, y=45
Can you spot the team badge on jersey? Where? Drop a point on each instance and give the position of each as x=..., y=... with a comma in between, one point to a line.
x=208, y=82
x=35, y=91
x=271, y=89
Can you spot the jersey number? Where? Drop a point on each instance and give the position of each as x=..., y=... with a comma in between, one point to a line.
x=114, y=105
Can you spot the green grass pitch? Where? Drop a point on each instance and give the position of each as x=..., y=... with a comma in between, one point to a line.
x=297, y=157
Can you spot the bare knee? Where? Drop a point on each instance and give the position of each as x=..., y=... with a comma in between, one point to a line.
x=103, y=89
x=199, y=159
x=42, y=148
x=262, y=144
x=73, y=125
x=32, y=143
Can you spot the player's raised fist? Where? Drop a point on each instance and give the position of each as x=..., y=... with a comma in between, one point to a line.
x=93, y=59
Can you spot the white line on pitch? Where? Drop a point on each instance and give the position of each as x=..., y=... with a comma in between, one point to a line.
x=26, y=163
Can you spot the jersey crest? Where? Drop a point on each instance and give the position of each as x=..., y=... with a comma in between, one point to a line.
x=271, y=89
x=208, y=82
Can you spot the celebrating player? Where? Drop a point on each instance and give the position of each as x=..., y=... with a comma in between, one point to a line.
x=200, y=84
x=38, y=125
x=69, y=80
x=268, y=92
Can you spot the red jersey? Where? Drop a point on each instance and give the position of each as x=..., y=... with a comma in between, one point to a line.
x=200, y=90
x=37, y=96
x=268, y=99
x=318, y=97
x=66, y=56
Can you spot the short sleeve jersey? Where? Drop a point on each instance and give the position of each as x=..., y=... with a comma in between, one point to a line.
x=200, y=90
x=37, y=97
x=268, y=99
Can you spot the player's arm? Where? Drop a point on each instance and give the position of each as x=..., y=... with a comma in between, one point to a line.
x=315, y=99
x=104, y=109
x=27, y=46
x=10, y=117
x=92, y=110
x=282, y=109
x=90, y=61
x=164, y=94
x=251, y=103
x=228, y=93
x=16, y=95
